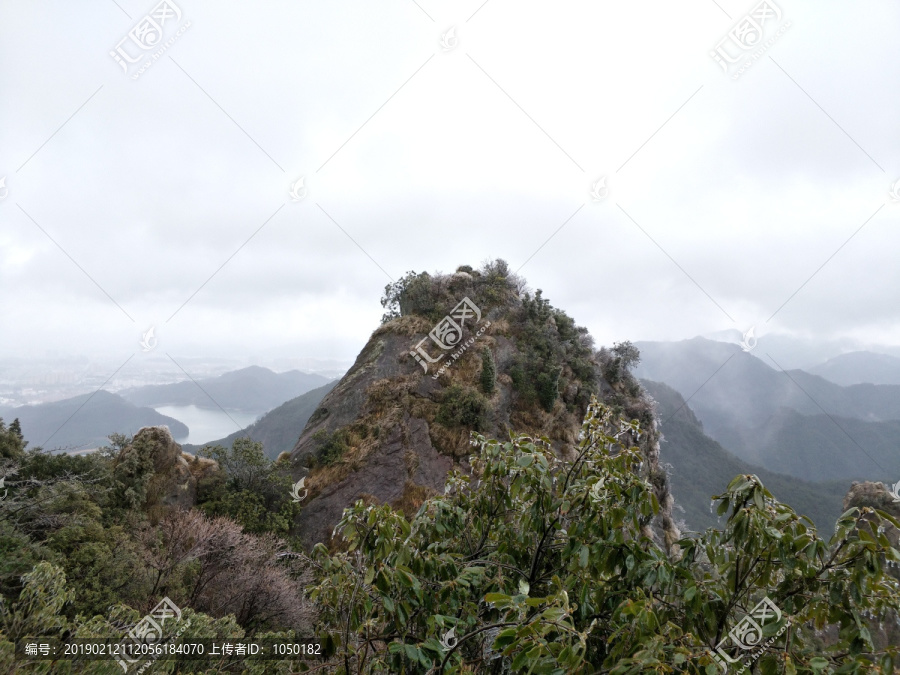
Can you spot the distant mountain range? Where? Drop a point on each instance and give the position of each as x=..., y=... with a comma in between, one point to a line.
x=278, y=429
x=252, y=389
x=85, y=421
x=860, y=368
x=788, y=421
x=699, y=468
x=804, y=353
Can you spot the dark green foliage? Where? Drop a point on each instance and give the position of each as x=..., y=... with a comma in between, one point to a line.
x=133, y=469
x=332, y=447
x=433, y=297
x=412, y=294
x=496, y=285
x=544, y=566
x=12, y=444
x=547, y=387
x=616, y=362
x=463, y=407
x=251, y=489
x=38, y=609
x=75, y=544
x=43, y=466
x=62, y=510
x=548, y=342
x=488, y=376
x=18, y=554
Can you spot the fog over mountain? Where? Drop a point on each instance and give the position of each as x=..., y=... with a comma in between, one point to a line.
x=700, y=468
x=860, y=368
x=788, y=421
x=758, y=201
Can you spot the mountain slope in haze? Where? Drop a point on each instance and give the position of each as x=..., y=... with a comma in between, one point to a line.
x=823, y=447
x=277, y=429
x=743, y=404
x=253, y=389
x=699, y=468
x=860, y=368
x=85, y=421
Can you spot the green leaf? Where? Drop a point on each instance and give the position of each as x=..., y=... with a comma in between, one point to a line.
x=818, y=664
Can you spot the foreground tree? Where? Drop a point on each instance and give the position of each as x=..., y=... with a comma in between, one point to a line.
x=535, y=563
x=250, y=489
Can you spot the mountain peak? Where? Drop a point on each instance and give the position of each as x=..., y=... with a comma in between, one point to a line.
x=456, y=353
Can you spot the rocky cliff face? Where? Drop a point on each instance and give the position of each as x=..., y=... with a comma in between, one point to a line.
x=462, y=352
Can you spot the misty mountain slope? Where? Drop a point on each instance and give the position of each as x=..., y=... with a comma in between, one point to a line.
x=859, y=368
x=755, y=386
x=253, y=389
x=816, y=447
x=700, y=468
x=277, y=429
x=86, y=421
x=738, y=397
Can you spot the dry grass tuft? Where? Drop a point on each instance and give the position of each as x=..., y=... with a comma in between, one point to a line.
x=412, y=499
x=405, y=325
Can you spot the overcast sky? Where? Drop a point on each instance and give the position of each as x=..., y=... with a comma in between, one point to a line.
x=165, y=200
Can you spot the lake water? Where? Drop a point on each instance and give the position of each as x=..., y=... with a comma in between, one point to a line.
x=207, y=424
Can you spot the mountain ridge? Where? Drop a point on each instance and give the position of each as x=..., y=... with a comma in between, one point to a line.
x=390, y=433
x=742, y=402
x=85, y=421
x=254, y=389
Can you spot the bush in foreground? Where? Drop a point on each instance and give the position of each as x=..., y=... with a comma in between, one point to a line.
x=536, y=564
